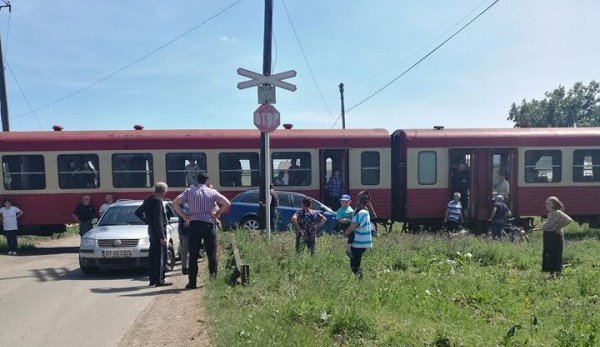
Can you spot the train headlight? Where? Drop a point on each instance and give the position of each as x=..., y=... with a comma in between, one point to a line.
x=88, y=242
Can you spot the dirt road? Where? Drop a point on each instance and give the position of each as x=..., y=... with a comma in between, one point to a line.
x=45, y=300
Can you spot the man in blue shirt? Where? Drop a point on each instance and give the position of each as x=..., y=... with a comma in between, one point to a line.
x=454, y=215
x=335, y=187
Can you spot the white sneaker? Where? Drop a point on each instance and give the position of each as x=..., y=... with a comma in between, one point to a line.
x=14, y=253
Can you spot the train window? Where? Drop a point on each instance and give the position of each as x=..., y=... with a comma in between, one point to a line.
x=78, y=171
x=132, y=170
x=369, y=168
x=24, y=172
x=238, y=169
x=586, y=165
x=543, y=166
x=291, y=169
x=183, y=168
x=427, y=168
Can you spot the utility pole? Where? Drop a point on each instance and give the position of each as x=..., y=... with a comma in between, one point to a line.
x=3, y=97
x=265, y=167
x=343, y=107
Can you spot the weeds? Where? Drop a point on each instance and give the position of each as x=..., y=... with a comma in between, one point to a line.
x=417, y=290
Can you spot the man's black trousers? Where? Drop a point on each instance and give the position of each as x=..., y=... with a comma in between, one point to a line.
x=198, y=232
x=157, y=261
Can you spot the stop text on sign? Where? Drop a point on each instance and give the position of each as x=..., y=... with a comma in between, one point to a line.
x=267, y=118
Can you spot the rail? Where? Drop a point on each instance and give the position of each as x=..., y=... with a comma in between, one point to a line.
x=242, y=270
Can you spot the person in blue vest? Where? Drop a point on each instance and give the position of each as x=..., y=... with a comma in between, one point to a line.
x=454, y=214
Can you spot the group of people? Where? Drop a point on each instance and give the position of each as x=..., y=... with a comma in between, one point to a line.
x=553, y=236
x=355, y=224
x=199, y=207
x=85, y=213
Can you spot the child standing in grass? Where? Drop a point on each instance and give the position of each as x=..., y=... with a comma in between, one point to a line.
x=361, y=227
x=306, y=222
x=344, y=218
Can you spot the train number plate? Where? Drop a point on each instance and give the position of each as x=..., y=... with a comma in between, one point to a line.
x=121, y=253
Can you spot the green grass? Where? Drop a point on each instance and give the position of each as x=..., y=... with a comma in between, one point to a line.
x=417, y=290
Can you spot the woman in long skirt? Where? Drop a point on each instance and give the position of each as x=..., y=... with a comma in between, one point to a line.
x=552, y=254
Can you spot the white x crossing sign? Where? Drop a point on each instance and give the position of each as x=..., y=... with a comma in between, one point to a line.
x=257, y=79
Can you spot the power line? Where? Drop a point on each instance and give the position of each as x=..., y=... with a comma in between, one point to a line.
x=306, y=59
x=419, y=50
x=145, y=56
x=418, y=61
x=23, y=95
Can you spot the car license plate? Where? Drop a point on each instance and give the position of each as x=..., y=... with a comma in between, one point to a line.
x=121, y=253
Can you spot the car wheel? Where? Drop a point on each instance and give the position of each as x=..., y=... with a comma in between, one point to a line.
x=250, y=223
x=170, y=258
x=88, y=270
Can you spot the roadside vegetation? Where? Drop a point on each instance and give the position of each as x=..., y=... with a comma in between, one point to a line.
x=417, y=290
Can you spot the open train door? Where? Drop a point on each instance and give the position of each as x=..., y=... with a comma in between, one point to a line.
x=331, y=160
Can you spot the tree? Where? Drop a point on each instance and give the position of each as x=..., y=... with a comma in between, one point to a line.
x=578, y=107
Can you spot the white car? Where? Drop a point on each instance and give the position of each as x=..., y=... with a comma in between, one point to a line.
x=120, y=239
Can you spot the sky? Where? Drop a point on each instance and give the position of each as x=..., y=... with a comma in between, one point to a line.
x=518, y=49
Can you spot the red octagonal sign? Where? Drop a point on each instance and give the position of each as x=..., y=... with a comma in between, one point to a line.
x=266, y=118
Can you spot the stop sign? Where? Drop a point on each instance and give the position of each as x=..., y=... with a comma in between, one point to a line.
x=266, y=118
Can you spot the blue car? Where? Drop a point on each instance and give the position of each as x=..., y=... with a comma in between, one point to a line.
x=244, y=211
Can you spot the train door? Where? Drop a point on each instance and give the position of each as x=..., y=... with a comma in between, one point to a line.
x=503, y=168
x=331, y=160
x=462, y=176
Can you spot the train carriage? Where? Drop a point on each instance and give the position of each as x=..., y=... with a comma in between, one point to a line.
x=537, y=162
x=47, y=173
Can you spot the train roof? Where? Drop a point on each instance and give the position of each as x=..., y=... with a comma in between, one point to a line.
x=188, y=139
x=503, y=137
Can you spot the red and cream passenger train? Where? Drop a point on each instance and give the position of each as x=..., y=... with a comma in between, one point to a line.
x=408, y=173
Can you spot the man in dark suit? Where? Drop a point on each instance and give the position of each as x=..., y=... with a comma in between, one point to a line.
x=152, y=212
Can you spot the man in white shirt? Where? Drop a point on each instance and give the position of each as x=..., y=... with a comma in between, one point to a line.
x=9, y=215
x=503, y=187
x=108, y=202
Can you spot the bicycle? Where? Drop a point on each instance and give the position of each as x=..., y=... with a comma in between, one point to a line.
x=513, y=232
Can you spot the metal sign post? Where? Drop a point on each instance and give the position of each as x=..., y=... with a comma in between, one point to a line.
x=266, y=117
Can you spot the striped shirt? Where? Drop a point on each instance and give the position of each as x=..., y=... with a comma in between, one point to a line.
x=201, y=201
x=455, y=208
x=362, y=233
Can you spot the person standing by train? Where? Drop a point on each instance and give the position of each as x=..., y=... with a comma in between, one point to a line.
x=108, y=201
x=203, y=219
x=9, y=215
x=461, y=183
x=306, y=222
x=552, y=254
x=499, y=212
x=503, y=186
x=335, y=187
x=84, y=214
x=454, y=214
x=361, y=228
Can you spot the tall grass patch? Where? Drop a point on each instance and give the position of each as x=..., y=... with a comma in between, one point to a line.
x=417, y=290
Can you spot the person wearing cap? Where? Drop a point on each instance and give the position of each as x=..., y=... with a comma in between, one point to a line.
x=344, y=218
x=202, y=218
x=344, y=213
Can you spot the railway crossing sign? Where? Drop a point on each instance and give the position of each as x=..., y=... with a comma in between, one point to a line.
x=266, y=118
x=257, y=79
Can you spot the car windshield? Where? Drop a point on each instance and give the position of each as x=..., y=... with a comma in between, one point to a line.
x=120, y=215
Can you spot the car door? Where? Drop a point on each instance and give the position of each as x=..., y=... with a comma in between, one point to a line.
x=285, y=210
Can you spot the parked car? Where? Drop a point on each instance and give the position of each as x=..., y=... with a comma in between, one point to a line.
x=120, y=239
x=244, y=211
